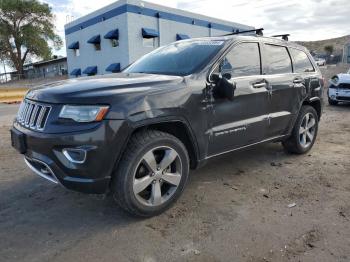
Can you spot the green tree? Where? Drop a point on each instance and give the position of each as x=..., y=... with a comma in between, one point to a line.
x=26, y=30
x=329, y=49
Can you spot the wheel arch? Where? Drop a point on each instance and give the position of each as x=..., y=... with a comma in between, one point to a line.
x=316, y=103
x=175, y=126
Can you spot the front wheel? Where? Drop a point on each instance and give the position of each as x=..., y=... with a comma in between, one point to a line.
x=152, y=173
x=304, y=132
x=332, y=102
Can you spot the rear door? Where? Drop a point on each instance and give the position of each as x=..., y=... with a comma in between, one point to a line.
x=305, y=74
x=284, y=94
x=243, y=120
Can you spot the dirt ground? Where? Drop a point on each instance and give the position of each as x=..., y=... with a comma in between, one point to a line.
x=233, y=209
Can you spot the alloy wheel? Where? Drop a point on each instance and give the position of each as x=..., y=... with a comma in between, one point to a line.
x=157, y=176
x=307, y=130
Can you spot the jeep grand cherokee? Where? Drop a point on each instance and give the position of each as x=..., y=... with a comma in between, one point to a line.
x=137, y=133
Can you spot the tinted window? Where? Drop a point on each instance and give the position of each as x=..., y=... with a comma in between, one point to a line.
x=242, y=60
x=278, y=60
x=181, y=58
x=301, y=61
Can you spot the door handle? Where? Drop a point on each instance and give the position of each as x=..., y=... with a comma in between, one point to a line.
x=259, y=85
x=298, y=81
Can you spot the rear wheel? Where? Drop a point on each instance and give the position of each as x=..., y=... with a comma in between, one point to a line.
x=152, y=173
x=304, y=132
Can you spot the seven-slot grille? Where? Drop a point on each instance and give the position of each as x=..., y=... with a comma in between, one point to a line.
x=33, y=115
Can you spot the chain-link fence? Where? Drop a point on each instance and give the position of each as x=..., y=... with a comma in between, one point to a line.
x=10, y=80
x=33, y=75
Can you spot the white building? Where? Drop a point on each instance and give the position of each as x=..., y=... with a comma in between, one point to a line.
x=112, y=37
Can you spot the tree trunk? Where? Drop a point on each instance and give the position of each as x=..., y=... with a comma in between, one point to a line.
x=19, y=68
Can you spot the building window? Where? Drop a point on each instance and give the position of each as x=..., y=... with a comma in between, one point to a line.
x=97, y=46
x=113, y=36
x=75, y=47
x=96, y=41
x=149, y=42
x=150, y=37
x=114, y=42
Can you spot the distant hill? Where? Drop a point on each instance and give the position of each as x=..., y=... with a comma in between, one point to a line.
x=318, y=46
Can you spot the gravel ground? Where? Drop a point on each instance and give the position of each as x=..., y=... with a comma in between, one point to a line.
x=233, y=209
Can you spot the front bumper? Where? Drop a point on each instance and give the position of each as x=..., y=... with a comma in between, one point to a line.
x=339, y=95
x=44, y=154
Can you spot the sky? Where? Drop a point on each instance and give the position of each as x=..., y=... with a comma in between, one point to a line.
x=305, y=20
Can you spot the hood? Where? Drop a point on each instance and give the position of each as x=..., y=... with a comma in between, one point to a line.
x=341, y=79
x=344, y=78
x=101, y=89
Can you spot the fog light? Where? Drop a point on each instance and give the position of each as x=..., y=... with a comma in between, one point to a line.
x=75, y=155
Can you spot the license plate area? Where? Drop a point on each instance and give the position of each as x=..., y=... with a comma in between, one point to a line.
x=18, y=141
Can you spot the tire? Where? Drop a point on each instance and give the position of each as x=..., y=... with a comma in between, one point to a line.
x=332, y=102
x=305, y=127
x=141, y=184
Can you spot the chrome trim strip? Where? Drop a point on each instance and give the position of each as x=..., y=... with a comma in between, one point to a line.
x=53, y=179
x=279, y=114
x=24, y=112
x=40, y=117
x=48, y=109
x=31, y=115
x=66, y=154
x=247, y=121
x=238, y=123
x=232, y=150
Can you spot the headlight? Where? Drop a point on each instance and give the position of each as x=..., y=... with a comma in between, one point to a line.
x=83, y=113
x=335, y=79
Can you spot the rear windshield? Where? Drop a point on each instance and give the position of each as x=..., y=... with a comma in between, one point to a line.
x=180, y=58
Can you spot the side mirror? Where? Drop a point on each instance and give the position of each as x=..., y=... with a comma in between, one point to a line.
x=224, y=88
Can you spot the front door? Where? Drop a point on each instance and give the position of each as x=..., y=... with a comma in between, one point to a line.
x=242, y=121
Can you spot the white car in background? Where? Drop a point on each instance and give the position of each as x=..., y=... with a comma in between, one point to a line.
x=339, y=89
x=320, y=61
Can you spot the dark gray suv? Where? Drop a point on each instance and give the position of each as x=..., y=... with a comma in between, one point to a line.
x=136, y=134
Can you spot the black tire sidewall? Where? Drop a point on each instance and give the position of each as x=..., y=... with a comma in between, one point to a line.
x=332, y=102
x=130, y=168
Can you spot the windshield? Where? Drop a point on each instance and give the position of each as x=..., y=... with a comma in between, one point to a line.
x=180, y=58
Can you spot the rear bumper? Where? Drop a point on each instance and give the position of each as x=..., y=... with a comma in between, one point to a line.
x=45, y=156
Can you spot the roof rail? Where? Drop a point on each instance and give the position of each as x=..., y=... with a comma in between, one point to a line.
x=258, y=31
x=284, y=37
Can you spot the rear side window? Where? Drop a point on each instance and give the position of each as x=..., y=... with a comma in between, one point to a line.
x=301, y=61
x=278, y=60
x=242, y=60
